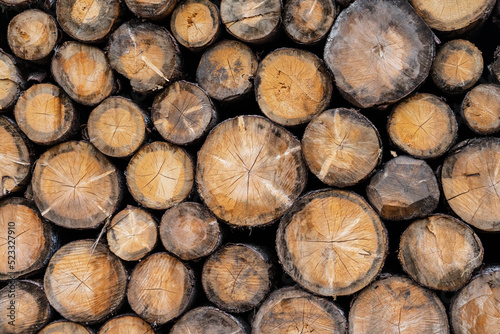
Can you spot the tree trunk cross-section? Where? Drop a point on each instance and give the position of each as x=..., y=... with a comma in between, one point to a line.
x=397, y=305
x=379, y=51
x=440, y=252
x=24, y=308
x=117, y=127
x=332, y=242
x=292, y=310
x=183, y=113
x=83, y=72
x=46, y=114
x=26, y=241
x=161, y=287
x=160, y=175
x=146, y=54
x=308, y=21
x=405, y=188
x=423, y=126
x=83, y=283
x=471, y=182
x=341, y=147
x=457, y=67
x=250, y=171
x=237, y=277
x=252, y=21
x=475, y=308
x=226, y=70
x=481, y=109
x=132, y=234
x=453, y=16
x=88, y=20
x=63, y=327
x=190, y=231
x=126, y=324
x=15, y=159
x=292, y=86
x=32, y=35
x=208, y=320
x=10, y=81
x=75, y=186
x=151, y=9
x=195, y=23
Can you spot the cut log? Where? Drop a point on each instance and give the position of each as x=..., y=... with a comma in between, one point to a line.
x=474, y=309
x=208, y=320
x=183, y=113
x=252, y=21
x=130, y=324
x=160, y=175
x=63, y=326
x=18, y=4
x=226, y=70
x=146, y=54
x=15, y=158
x=440, y=252
x=457, y=67
x=75, y=186
x=292, y=86
x=237, y=277
x=117, y=127
x=250, y=171
x=32, y=35
x=85, y=282
x=27, y=240
x=397, y=305
x=11, y=81
x=83, y=72
x=46, y=114
x=470, y=177
x=291, y=309
x=23, y=308
x=423, y=126
x=88, y=20
x=190, y=231
x=481, y=109
x=132, y=234
x=151, y=9
x=307, y=22
x=341, y=147
x=405, y=188
x=332, y=242
x=161, y=288
x=452, y=17
x=195, y=24
x=379, y=52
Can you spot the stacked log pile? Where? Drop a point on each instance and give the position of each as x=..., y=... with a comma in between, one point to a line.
x=258, y=166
